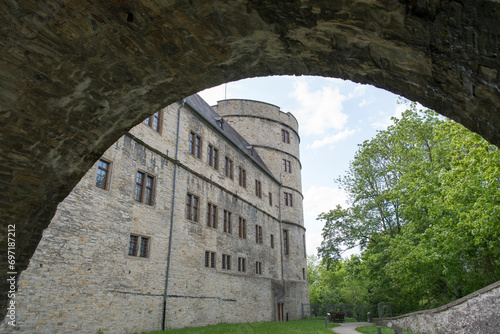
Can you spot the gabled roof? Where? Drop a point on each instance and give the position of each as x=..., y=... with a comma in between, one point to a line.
x=211, y=116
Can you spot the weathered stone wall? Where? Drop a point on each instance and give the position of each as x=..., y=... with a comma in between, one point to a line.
x=78, y=75
x=478, y=312
x=81, y=278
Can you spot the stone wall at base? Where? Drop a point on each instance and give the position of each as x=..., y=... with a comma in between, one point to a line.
x=478, y=312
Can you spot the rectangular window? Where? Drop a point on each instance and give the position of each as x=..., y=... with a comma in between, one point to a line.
x=287, y=166
x=213, y=156
x=138, y=246
x=270, y=199
x=288, y=199
x=209, y=259
x=286, y=242
x=242, y=264
x=226, y=262
x=192, y=207
x=242, y=177
x=272, y=240
x=258, y=189
x=242, y=228
x=258, y=268
x=144, y=186
x=258, y=234
x=304, y=245
x=285, y=136
x=211, y=215
x=153, y=121
x=103, y=171
x=228, y=168
x=227, y=222
x=304, y=274
x=195, y=145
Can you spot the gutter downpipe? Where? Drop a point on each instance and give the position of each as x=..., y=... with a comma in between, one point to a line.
x=174, y=186
x=281, y=230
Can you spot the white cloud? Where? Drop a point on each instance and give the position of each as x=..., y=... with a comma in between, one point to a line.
x=319, y=199
x=329, y=140
x=319, y=111
x=382, y=124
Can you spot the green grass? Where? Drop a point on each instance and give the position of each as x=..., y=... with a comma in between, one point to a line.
x=290, y=327
x=373, y=330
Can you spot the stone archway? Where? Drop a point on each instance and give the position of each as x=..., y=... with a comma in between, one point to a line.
x=76, y=75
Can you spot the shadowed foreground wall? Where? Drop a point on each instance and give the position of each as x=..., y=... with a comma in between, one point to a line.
x=478, y=312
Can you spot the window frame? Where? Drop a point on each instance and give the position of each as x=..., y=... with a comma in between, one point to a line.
x=242, y=177
x=210, y=260
x=242, y=228
x=213, y=156
x=285, y=136
x=212, y=215
x=258, y=234
x=258, y=188
x=226, y=262
x=287, y=166
x=139, y=250
x=192, y=207
x=195, y=144
x=145, y=189
x=228, y=168
x=228, y=228
x=242, y=265
x=258, y=268
x=286, y=242
x=288, y=199
x=107, y=173
x=154, y=121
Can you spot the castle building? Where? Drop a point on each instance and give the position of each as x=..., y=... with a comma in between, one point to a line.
x=193, y=218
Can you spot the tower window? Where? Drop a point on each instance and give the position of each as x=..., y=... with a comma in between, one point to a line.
x=285, y=136
x=242, y=228
x=288, y=199
x=287, y=166
x=258, y=268
x=286, y=240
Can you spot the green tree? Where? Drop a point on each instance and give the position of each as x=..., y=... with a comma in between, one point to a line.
x=424, y=210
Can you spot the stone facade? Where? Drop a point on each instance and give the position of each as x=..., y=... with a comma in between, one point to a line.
x=82, y=277
x=472, y=314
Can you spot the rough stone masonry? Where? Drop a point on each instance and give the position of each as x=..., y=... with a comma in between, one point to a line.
x=75, y=76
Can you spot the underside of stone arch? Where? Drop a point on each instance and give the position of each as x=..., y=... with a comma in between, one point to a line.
x=76, y=75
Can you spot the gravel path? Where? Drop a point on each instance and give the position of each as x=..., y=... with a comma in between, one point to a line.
x=349, y=327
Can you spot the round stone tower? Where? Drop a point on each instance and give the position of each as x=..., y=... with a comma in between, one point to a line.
x=273, y=134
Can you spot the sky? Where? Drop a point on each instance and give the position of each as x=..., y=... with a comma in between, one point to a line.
x=334, y=117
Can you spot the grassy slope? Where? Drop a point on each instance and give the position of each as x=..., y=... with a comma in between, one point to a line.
x=291, y=327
